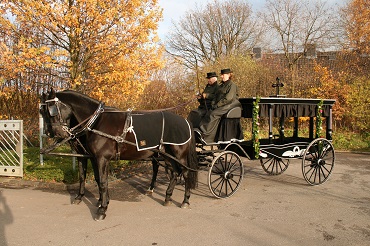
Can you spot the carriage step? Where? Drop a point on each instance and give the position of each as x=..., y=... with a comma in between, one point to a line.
x=201, y=140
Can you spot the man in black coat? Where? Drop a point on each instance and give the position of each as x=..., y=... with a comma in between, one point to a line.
x=227, y=97
x=205, y=100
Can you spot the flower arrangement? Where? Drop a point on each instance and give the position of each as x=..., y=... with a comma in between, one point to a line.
x=255, y=131
x=319, y=119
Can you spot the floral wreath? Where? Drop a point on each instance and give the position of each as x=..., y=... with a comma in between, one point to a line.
x=319, y=119
x=255, y=131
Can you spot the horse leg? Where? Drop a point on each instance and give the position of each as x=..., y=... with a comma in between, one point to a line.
x=155, y=167
x=82, y=169
x=169, y=191
x=185, y=203
x=103, y=166
x=97, y=178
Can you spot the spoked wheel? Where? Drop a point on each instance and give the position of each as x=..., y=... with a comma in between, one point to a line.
x=318, y=161
x=274, y=165
x=225, y=174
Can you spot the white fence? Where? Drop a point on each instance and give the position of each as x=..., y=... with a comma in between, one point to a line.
x=11, y=148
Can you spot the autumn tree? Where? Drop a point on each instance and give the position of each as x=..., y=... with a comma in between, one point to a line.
x=105, y=48
x=357, y=18
x=327, y=85
x=172, y=86
x=295, y=27
x=358, y=113
x=221, y=28
x=248, y=74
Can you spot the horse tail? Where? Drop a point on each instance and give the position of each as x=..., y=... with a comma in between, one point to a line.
x=192, y=160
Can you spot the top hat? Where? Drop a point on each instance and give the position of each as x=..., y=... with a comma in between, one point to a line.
x=211, y=74
x=225, y=71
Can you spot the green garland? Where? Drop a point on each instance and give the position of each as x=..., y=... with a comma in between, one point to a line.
x=319, y=119
x=255, y=131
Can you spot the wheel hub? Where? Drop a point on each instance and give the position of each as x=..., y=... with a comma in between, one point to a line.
x=320, y=162
x=228, y=175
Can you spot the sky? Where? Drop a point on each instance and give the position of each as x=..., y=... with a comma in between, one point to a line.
x=174, y=10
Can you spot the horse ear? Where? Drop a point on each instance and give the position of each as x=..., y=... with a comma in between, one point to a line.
x=43, y=97
x=52, y=93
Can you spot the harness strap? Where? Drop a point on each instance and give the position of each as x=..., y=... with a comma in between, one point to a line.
x=173, y=158
x=123, y=135
x=126, y=127
x=163, y=123
x=119, y=139
x=90, y=120
x=54, y=146
x=80, y=144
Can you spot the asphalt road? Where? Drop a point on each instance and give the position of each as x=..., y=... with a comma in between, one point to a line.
x=266, y=210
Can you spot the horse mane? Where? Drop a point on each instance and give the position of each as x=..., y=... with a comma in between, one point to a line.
x=91, y=100
x=84, y=97
x=80, y=95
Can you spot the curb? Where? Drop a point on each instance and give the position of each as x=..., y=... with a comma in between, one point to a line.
x=353, y=152
x=19, y=183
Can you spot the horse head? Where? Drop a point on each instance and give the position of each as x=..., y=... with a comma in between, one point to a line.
x=56, y=114
x=45, y=115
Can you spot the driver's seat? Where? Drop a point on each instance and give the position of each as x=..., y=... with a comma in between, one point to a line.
x=230, y=127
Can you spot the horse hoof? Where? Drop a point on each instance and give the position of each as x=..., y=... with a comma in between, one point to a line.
x=167, y=203
x=149, y=192
x=185, y=205
x=100, y=217
x=76, y=201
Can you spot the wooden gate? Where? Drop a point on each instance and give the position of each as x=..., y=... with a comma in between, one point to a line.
x=11, y=148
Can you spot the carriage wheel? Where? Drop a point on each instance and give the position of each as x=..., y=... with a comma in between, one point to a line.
x=318, y=161
x=274, y=165
x=225, y=174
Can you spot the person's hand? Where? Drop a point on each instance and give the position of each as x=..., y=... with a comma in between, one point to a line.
x=204, y=95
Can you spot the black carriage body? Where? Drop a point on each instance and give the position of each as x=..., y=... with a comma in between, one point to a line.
x=275, y=151
x=275, y=107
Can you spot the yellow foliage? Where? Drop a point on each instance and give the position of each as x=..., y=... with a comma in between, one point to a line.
x=107, y=47
x=330, y=88
x=358, y=13
x=359, y=101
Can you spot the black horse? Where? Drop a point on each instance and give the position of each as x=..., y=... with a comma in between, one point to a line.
x=110, y=134
x=78, y=144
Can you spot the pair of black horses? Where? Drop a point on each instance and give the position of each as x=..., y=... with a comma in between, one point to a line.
x=103, y=134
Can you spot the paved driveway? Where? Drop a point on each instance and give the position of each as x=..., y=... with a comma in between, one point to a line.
x=266, y=210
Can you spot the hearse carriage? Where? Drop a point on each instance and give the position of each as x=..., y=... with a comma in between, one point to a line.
x=274, y=152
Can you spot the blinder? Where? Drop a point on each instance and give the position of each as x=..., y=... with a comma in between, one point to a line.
x=53, y=110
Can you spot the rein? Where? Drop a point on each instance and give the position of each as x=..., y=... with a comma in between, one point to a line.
x=54, y=146
x=156, y=110
x=172, y=108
